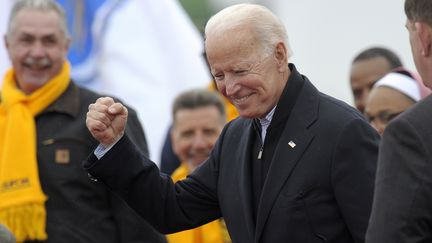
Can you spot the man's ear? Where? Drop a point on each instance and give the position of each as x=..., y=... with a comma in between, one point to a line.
x=7, y=45
x=173, y=138
x=6, y=42
x=68, y=43
x=424, y=32
x=281, y=55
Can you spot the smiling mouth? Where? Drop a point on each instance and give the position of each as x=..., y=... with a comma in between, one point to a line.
x=241, y=99
x=37, y=65
x=36, y=69
x=197, y=160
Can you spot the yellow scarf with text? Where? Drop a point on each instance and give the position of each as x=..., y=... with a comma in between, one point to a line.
x=22, y=201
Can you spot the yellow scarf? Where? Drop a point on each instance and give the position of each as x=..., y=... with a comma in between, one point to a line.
x=213, y=232
x=22, y=201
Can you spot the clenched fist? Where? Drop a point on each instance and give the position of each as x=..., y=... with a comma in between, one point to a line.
x=106, y=120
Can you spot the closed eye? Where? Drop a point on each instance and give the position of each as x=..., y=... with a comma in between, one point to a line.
x=239, y=71
x=218, y=77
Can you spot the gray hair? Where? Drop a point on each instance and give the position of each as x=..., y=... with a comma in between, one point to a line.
x=198, y=98
x=266, y=26
x=419, y=10
x=41, y=5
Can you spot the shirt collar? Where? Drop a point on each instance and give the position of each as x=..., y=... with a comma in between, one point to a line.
x=265, y=122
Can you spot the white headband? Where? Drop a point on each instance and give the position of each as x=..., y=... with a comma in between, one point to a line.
x=401, y=83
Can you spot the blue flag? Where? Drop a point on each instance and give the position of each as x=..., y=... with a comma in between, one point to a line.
x=86, y=22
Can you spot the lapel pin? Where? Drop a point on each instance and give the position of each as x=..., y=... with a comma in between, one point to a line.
x=291, y=144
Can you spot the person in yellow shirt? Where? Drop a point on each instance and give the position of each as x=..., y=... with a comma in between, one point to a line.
x=198, y=119
x=169, y=161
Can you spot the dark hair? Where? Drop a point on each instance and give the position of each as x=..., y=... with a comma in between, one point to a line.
x=419, y=10
x=403, y=72
x=197, y=98
x=373, y=52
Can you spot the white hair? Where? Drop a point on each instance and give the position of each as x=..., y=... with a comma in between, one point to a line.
x=267, y=27
x=42, y=5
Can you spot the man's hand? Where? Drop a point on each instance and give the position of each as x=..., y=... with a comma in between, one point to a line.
x=106, y=120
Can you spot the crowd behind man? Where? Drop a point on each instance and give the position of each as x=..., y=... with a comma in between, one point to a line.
x=198, y=118
x=368, y=67
x=45, y=196
x=296, y=165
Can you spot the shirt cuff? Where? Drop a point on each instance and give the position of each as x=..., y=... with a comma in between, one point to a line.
x=101, y=150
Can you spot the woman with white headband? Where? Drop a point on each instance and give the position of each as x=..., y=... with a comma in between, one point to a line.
x=390, y=96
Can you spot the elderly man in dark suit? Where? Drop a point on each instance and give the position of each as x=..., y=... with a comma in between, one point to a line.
x=402, y=207
x=298, y=166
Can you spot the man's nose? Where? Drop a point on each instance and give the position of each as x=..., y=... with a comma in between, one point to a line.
x=231, y=85
x=200, y=141
x=37, y=50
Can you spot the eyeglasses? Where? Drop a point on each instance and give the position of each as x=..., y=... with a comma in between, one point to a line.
x=383, y=117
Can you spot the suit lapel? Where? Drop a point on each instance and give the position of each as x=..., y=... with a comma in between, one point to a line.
x=292, y=144
x=245, y=176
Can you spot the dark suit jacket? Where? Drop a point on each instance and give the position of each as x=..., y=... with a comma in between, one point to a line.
x=319, y=190
x=402, y=208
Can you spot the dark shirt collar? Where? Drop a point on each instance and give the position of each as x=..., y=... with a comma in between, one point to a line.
x=287, y=100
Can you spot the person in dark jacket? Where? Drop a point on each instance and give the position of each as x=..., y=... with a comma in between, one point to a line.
x=402, y=205
x=297, y=166
x=45, y=195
